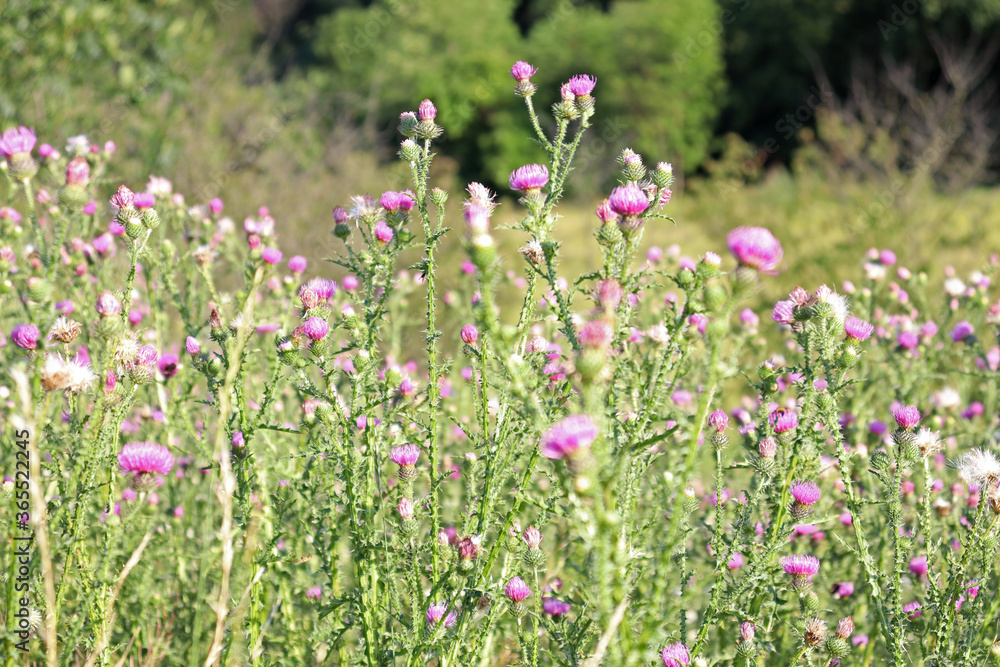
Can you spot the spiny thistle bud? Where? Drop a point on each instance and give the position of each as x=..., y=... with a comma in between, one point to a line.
x=150, y=218
x=746, y=648
x=663, y=175
x=522, y=73
x=631, y=164
x=39, y=289
x=879, y=461
x=685, y=277
x=408, y=124
x=608, y=235
x=690, y=499
x=805, y=495
x=438, y=196
x=517, y=592
x=133, y=227
x=409, y=151
x=405, y=456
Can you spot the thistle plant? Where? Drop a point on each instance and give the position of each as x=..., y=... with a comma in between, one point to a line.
x=238, y=458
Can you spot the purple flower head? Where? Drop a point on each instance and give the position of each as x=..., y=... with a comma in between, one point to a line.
x=906, y=416
x=962, y=331
x=529, y=178
x=747, y=631
x=192, y=345
x=405, y=509
x=554, y=607
x=77, y=172
x=800, y=566
x=383, y=232
x=316, y=328
x=122, y=198
x=107, y=304
x=784, y=420
x=628, y=200
x=15, y=141
x=783, y=312
x=427, y=111
x=522, y=71
x=596, y=334
x=719, y=421
x=390, y=200
x=470, y=334
x=918, y=565
x=676, y=655
x=749, y=318
x=582, y=85
x=271, y=255
x=25, y=336
x=568, y=437
x=912, y=609
x=168, y=365
x=323, y=288
x=138, y=458
x=146, y=356
x=605, y=212
x=755, y=247
x=805, y=493
x=143, y=200
x=908, y=340
x=238, y=440
x=436, y=613
x=297, y=264
x=858, y=329
x=404, y=455
x=516, y=590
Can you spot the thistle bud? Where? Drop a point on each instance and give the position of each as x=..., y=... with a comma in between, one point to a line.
x=133, y=227
x=150, y=218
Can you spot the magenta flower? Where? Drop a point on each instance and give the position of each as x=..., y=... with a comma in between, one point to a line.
x=390, y=200
x=314, y=592
x=529, y=178
x=747, y=631
x=918, y=565
x=146, y=356
x=912, y=610
x=107, y=304
x=25, y=336
x=554, y=607
x=962, y=332
x=427, y=111
x=405, y=509
x=145, y=458
x=906, y=416
x=755, y=247
x=582, y=85
x=628, y=200
x=323, y=288
x=404, y=455
x=802, y=569
x=719, y=421
x=857, y=329
x=168, y=365
x=316, y=328
x=784, y=420
x=297, y=264
x=805, y=493
x=908, y=340
x=522, y=71
x=596, y=334
x=16, y=141
x=192, y=345
x=122, y=198
x=676, y=655
x=783, y=312
x=516, y=590
x=77, y=172
x=383, y=232
x=143, y=200
x=271, y=255
x=569, y=437
x=470, y=334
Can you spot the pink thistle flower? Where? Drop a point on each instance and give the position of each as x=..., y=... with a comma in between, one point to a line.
x=582, y=85
x=844, y=589
x=383, y=232
x=404, y=455
x=805, y=493
x=516, y=590
x=918, y=566
x=801, y=567
x=390, y=201
x=569, y=437
x=122, y=198
x=719, y=421
x=143, y=200
x=316, y=328
x=532, y=537
x=314, y=592
x=192, y=346
x=522, y=71
x=168, y=365
x=323, y=288
x=145, y=458
x=554, y=607
x=912, y=610
x=676, y=655
x=857, y=329
x=783, y=312
x=426, y=111
x=596, y=334
x=908, y=340
x=784, y=420
x=628, y=201
x=405, y=509
x=963, y=331
x=271, y=255
x=77, y=172
x=736, y=562
x=747, y=631
x=297, y=264
x=25, y=336
x=16, y=141
x=906, y=416
x=755, y=247
x=529, y=178
x=470, y=334
x=606, y=214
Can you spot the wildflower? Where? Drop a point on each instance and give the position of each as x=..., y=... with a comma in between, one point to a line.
x=719, y=420
x=238, y=441
x=582, y=85
x=805, y=495
x=532, y=537
x=405, y=509
x=144, y=460
x=858, y=329
x=784, y=420
x=25, y=336
x=815, y=632
x=405, y=456
x=676, y=655
x=554, y=607
x=107, y=305
x=630, y=202
x=606, y=214
x=271, y=255
x=928, y=442
x=529, y=178
x=426, y=111
x=802, y=569
x=569, y=438
x=16, y=145
x=783, y=312
x=767, y=447
x=963, y=332
x=316, y=328
x=62, y=374
x=918, y=566
x=297, y=264
x=755, y=247
x=168, y=365
x=65, y=330
x=470, y=334
x=192, y=346
x=912, y=610
x=522, y=71
x=906, y=416
x=383, y=232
